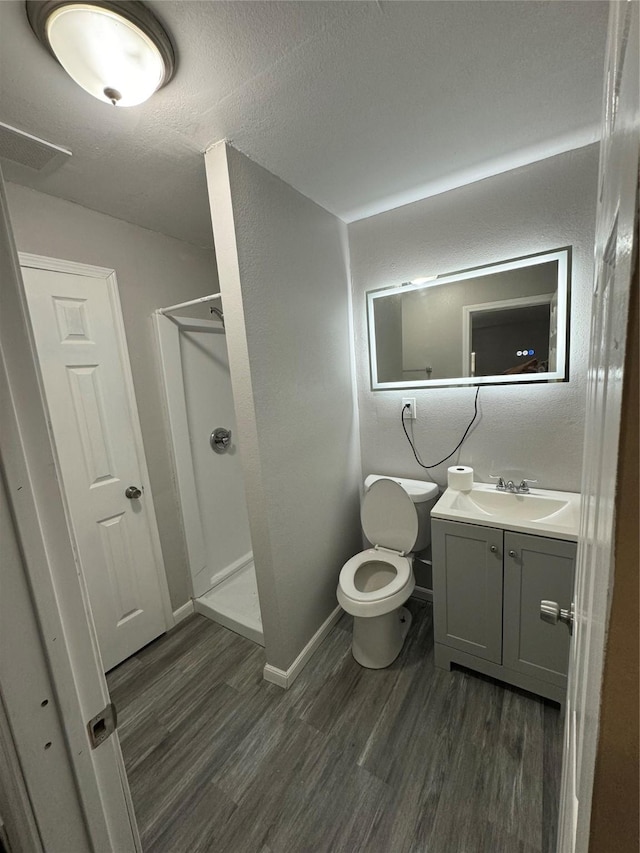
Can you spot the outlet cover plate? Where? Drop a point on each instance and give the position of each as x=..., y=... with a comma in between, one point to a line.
x=411, y=414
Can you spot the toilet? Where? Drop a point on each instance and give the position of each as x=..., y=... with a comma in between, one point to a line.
x=373, y=585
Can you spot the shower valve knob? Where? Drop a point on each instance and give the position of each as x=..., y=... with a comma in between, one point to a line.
x=220, y=440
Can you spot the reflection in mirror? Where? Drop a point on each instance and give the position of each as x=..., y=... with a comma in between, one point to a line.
x=502, y=323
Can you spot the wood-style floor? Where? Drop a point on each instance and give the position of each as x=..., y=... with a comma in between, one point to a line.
x=409, y=758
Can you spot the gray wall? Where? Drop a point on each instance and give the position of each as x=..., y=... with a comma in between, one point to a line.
x=283, y=265
x=152, y=271
x=536, y=428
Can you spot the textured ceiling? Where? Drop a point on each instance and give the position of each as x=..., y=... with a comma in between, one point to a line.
x=359, y=105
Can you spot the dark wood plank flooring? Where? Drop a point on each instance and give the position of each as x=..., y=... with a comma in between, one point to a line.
x=409, y=758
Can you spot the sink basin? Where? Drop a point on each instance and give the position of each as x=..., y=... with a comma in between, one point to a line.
x=542, y=512
x=505, y=504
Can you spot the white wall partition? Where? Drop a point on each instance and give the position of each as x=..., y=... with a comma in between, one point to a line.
x=195, y=371
x=283, y=266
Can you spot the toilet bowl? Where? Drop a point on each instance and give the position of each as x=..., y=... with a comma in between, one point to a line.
x=375, y=583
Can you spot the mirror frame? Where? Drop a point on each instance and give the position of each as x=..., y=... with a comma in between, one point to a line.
x=561, y=374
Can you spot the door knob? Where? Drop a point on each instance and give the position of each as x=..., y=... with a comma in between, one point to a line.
x=513, y=553
x=551, y=612
x=493, y=549
x=132, y=492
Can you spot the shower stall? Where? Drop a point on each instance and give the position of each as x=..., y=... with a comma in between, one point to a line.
x=199, y=399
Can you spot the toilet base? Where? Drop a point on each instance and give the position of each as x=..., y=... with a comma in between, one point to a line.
x=378, y=640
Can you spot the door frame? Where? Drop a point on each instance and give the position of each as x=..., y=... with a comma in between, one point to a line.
x=616, y=245
x=54, y=600
x=469, y=310
x=108, y=276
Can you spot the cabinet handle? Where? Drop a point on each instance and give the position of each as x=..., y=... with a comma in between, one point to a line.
x=513, y=553
x=493, y=549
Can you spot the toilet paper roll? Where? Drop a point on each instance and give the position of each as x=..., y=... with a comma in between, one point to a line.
x=460, y=477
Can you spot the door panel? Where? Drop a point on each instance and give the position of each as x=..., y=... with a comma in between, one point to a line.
x=87, y=395
x=467, y=585
x=86, y=374
x=615, y=243
x=541, y=569
x=51, y=642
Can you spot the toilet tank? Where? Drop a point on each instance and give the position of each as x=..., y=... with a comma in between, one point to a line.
x=424, y=496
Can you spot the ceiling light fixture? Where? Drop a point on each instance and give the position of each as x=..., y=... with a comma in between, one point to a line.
x=116, y=50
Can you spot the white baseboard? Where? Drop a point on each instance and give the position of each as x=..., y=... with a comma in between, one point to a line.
x=285, y=678
x=422, y=593
x=182, y=612
x=275, y=675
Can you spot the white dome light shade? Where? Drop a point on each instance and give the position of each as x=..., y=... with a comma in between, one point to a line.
x=106, y=54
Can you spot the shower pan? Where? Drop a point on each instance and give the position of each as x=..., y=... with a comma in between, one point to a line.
x=197, y=384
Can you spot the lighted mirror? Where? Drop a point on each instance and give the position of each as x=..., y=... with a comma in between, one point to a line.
x=503, y=323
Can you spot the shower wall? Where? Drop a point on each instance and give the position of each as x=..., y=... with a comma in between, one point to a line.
x=218, y=477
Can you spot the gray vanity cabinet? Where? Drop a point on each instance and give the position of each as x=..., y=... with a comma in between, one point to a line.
x=467, y=574
x=536, y=568
x=487, y=588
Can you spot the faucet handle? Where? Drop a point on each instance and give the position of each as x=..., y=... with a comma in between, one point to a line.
x=524, y=485
x=501, y=483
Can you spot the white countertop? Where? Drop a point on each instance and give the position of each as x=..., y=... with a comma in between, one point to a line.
x=541, y=512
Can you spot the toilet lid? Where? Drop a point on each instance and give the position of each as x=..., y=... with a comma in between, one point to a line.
x=389, y=517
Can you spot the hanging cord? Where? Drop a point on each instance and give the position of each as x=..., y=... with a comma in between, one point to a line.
x=457, y=447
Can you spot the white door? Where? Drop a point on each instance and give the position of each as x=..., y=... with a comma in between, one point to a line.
x=46, y=597
x=615, y=236
x=87, y=384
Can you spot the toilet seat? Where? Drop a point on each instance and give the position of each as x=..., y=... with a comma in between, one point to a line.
x=389, y=517
x=379, y=601
x=390, y=520
x=401, y=564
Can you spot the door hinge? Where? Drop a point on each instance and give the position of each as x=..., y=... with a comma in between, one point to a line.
x=103, y=725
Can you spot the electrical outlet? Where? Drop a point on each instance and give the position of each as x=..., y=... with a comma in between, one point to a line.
x=409, y=413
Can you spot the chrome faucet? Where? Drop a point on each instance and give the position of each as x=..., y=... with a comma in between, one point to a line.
x=510, y=486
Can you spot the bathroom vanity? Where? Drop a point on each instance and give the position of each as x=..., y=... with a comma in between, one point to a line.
x=496, y=556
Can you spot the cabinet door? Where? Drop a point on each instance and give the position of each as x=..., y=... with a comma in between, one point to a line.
x=536, y=568
x=467, y=588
